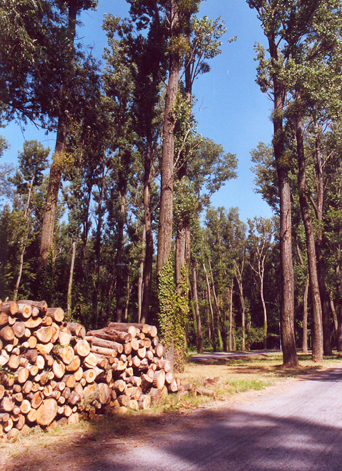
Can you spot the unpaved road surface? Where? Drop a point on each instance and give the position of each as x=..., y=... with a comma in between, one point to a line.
x=295, y=427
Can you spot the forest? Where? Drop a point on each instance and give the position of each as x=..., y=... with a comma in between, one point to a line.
x=119, y=226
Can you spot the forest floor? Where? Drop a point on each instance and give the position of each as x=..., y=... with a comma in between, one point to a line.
x=262, y=414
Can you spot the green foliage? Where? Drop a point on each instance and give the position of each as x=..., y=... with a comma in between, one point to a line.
x=173, y=312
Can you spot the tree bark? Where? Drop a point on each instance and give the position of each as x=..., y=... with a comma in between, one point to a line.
x=199, y=338
x=166, y=191
x=317, y=347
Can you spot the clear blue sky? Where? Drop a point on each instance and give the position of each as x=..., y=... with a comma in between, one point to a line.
x=231, y=109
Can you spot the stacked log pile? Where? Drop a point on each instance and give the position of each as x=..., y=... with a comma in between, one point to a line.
x=54, y=371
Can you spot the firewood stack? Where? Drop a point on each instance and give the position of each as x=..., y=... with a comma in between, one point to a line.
x=54, y=371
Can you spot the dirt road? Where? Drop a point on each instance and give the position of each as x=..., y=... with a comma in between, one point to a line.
x=296, y=427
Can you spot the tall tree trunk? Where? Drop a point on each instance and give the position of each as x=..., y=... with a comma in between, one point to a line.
x=321, y=267
x=58, y=157
x=317, y=347
x=231, y=320
x=128, y=297
x=212, y=322
x=305, y=317
x=199, y=337
x=71, y=277
x=217, y=305
x=287, y=277
x=166, y=191
x=141, y=273
x=119, y=253
x=23, y=240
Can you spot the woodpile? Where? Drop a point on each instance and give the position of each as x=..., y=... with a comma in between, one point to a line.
x=54, y=371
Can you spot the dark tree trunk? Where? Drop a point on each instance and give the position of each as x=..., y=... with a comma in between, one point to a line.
x=199, y=337
x=119, y=253
x=57, y=163
x=287, y=277
x=166, y=191
x=317, y=347
x=147, y=273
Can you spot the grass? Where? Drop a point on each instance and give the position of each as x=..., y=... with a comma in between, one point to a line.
x=228, y=378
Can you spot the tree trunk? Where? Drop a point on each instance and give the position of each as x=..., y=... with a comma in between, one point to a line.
x=317, y=347
x=305, y=317
x=287, y=277
x=166, y=191
x=231, y=320
x=199, y=338
x=120, y=223
x=71, y=276
x=212, y=337
x=58, y=157
x=321, y=268
x=148, y=262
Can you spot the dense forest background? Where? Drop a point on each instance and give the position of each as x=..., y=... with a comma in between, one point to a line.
x=120, y=226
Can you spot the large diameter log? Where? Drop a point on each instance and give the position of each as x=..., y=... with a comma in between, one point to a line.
x=56, y=313
x=104, y=393
x=90, y=361
x=159, y=379
x=90, y=392
x=145, y=402
x=19, y=329
x=82, y=348
x=7, y=404
x=7, y=333
x=66, y=354
x=25, y=310
x=25, y=407
x=64, y=338
x=33, y=323
x=47, y=412
x=55, y=332
x=44, y=334
x=44, y=349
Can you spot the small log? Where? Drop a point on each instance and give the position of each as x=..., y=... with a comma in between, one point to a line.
x=118, y=347
x=19, y=329
x=56, y=313
x=21, y=422
x=69, y=381
x=103, y=351
x=156, y=395
x=55, y=332
x=7, y=404
x=103, y=393
x=58, y=369
x=159, y=350
x=13, y=362
x=78, y=330
x=32, y=342
x=3, y=318
x=74, y=364
x=159, y=379
x=10, y=308
x=40, y=305
x=90, y=361
x=4, y=357
x=204, y=392
x=40, y=362
x=32, y=416
x=25, y=407
x=44, y=349
x=33, y=370
x=23, y=374
x=145, y=402
x=2, y=391
x=74, y=398
x=27, y=387
x=37, y=399
x=90, y=375
x=78, y=374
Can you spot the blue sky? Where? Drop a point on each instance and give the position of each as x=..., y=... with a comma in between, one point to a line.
x=231, y=109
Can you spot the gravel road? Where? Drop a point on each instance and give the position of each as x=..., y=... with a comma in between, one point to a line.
x=295, y=427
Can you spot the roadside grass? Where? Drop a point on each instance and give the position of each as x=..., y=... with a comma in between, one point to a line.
x=225, y=378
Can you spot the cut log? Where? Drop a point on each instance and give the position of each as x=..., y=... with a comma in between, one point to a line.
x=32, y=416
x=32, y=342
x=58, y=369
x=7, y=333
x=37, y=399
x=3, y=318
x=55, y=332
x=10, y=308
x=82, y=348
x=103, y=351
x=74, y=398
x=90, y=375
x=64, y=338
x=78, y=374
x=103, y=393
x=40, y=305
x=25, y=407
x=159, y=350
x=156, y=395
x=4, y=357
x=118, y=347
x=33, y=323
x=44, y=334
x=19, y=329
x=74, y=364
x=40, y=362
x=66, y=354
x=13, y=362
x=90, y=361
x=145, y=402
x=23, y=374
x=78, y=330
x=25, y=310
x=44, y=349
x=47, y=412
x=69, y=381
x=56, y=313
x=7, y=404
x=27, y=387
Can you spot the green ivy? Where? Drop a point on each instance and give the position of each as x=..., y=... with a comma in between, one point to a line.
x=173, y=312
